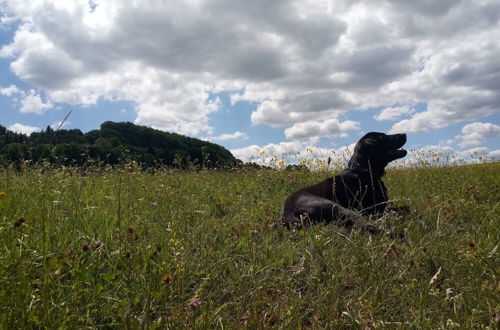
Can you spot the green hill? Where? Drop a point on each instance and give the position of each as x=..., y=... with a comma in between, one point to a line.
x=113, y=143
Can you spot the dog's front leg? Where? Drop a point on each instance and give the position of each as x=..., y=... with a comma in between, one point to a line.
x=351, y=218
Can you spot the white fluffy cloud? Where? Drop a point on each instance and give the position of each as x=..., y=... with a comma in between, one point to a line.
x=229, y=136
x=475, y=133
x=327, y=128
x=10, y=90
x=301, y=61
x=494, y=155
x=32, y=103
x=393, y=113
x=24, y=129
x=294, y=152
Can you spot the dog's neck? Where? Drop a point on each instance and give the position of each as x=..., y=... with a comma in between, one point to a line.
x=356, y=167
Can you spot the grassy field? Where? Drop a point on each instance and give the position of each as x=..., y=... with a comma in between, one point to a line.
x=125, y=249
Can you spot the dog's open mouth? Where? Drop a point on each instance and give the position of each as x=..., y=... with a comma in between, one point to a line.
x=398, y=142
x=398, y=153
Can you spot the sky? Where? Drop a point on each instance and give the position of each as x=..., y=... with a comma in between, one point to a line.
x=259, y=77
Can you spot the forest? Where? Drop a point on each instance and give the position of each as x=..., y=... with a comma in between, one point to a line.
x=114, y=143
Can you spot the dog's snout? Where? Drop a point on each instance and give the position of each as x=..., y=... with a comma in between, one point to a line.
x=403, y=137
x=397, y=140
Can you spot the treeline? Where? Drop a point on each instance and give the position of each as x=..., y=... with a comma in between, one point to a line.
x=113, y=143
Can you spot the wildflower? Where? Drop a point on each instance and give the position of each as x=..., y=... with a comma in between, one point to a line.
x=85, y=246
x=195, y=302
x=2, y=193
x=97, y=244
x=167, y=278
x=262, y=152
x=19, y=222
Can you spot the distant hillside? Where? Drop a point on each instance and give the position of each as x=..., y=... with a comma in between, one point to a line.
x=113, y=143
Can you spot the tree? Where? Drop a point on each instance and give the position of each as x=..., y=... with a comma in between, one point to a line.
x=111, y=144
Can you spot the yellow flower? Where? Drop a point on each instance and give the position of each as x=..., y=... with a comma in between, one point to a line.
x=2, y=193
x=262, y=152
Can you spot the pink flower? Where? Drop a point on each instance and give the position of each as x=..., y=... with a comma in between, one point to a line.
x=195, y=302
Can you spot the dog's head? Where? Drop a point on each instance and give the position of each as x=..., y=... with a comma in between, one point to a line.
x=376, y=150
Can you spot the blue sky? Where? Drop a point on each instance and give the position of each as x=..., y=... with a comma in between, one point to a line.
x=279, y=77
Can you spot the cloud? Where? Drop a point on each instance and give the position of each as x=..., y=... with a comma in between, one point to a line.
x=297, y=60
x=24, y=129
x=308, y=154
x=475, y=133
x=33, y=103
x=30, y=102
x=229, y=136
x=294, y=152
x=494, y=155
x=10, y=90
x=393, y=113
x=327, y=128
x=459, y=82
x=6, y=20
x=438, y=155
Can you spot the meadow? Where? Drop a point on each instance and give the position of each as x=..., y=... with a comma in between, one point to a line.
x=170, y=248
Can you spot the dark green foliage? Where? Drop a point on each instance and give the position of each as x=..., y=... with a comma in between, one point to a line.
x=114, y=143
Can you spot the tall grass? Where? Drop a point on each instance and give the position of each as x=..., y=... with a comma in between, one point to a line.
x=126, y=249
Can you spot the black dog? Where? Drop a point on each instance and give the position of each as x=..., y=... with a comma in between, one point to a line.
x=357, y=192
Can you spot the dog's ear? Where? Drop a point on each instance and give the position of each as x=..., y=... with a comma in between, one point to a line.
x=367, y=145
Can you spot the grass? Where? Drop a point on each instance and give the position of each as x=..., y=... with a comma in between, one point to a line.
x=125, y=249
